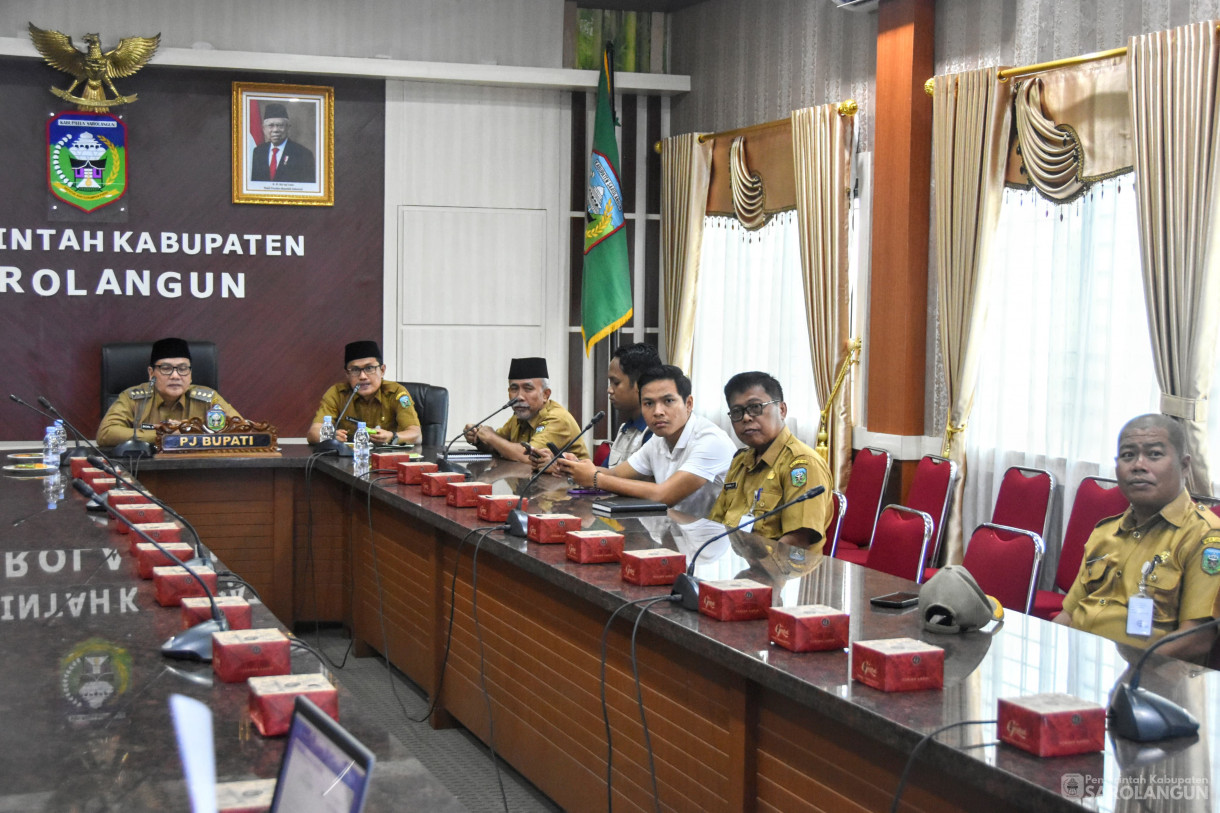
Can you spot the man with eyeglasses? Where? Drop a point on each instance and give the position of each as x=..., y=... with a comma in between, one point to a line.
x=772, y=469
x=385, y=407
x=536, y=421
x=167, y=395
x=684, y=462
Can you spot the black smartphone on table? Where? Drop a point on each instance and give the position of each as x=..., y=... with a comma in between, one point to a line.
x=895, y=601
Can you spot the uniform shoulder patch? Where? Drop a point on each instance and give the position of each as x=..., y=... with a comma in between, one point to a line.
x=139, y=392
x=1210, y=561
x=742, y=450
x=404, y=400
x=799, y=476
x=202, y=394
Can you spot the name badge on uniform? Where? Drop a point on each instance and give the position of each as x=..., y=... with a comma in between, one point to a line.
x=1139, y=615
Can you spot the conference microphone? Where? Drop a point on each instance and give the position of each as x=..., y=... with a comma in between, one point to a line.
x=686, y=586
x=518, y=523
x=442, y=459
x=335, y=445
x=201, y=554
x=1144, y=716
x=196, y=642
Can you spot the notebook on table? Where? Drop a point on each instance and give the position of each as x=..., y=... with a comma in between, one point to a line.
x=628, y=505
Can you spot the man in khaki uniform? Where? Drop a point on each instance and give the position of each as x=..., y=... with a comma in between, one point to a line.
x=774, y=468
x=167, y=396
x=385, y=407
x=1155, y=568
x=536, y=421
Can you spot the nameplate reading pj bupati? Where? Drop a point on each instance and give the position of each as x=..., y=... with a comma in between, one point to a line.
x=259, y=442
x=237, y=437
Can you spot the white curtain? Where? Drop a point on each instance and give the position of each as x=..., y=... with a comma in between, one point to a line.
x=1066, y=360
x=751, y=316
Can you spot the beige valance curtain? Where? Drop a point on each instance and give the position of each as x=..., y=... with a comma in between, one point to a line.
x=822, y=142
x=971, y=119
x=1173, y=86
x=686, y=167
x=1073, y=127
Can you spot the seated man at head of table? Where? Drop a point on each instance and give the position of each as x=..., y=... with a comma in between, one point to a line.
x=772, y=469
x=536, y=421
x=167, y=395
x=384, y=406
x=683, y=465
x=1154, y=568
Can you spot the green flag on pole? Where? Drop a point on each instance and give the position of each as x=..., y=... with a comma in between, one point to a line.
x=605, y=303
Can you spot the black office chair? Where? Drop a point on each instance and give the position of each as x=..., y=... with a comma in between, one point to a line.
x=432, y=406
x=125, y=364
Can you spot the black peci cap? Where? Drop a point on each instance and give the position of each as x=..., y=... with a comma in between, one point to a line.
x=531, y=367
x=169, y=349
x=361, y=350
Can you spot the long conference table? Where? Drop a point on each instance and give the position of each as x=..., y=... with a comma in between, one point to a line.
x=734, y=722
x=84, y=690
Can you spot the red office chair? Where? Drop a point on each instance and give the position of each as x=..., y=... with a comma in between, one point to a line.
x=1024, y=500
x=931, y=491
x=869, y=473
x=1005, y=561
x=838, y=507
x=1096, y=499
x=900, y=542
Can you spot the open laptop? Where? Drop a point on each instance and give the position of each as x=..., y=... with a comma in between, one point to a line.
x=325, y=769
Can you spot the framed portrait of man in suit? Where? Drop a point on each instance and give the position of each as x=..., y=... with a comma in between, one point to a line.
x=283, y=144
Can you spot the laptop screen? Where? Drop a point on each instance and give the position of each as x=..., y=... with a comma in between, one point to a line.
x=325, y=769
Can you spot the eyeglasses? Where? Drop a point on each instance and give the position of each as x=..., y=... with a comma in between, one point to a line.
x=367, y=370
x=169, y=369
x=738, y=413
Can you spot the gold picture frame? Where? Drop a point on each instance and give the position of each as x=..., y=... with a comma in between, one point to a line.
x=300, y=135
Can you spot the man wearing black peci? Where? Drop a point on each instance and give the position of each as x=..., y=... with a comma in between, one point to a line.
x=384, y=406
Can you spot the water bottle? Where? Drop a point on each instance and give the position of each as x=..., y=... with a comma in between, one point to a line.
x=50, y=456
x=327, y=432
x=61, y=438
x=362, y=447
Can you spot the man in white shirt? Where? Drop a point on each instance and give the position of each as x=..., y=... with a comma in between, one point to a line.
x=686, y=459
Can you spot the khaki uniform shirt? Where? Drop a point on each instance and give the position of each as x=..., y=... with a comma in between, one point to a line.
x=390, y=408
x=146, y=403
x=1183, y=586
x=755, y=485
x=552, y=424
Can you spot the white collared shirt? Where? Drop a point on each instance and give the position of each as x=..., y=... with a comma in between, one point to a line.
x=703, y=449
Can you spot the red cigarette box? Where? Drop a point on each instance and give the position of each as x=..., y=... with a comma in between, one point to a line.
x=466, y=494
x=436, y=483
x=1052, y=725
x=148, y=557
x=235, y=608
x=103, y=484
x=388, y=460
x=550, y=529
x=161, y=531
x=241, y=654
x=172, y=584
x=808, y=628
x=124, y=496
x=77, y=466
x=412, y=471
x=495, y=507
x=139, y=512
x=898, y=664
x=656, y=566
x=588, y=547
x=245, y=796
x=734, y=599
x=272, y=700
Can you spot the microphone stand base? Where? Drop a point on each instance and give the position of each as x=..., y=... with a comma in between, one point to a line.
x=194, y=644
x=686, y=588
x=332, y=445
x=1140, y=715
x=517, y=523
x=133, y=448
x=443, y=464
